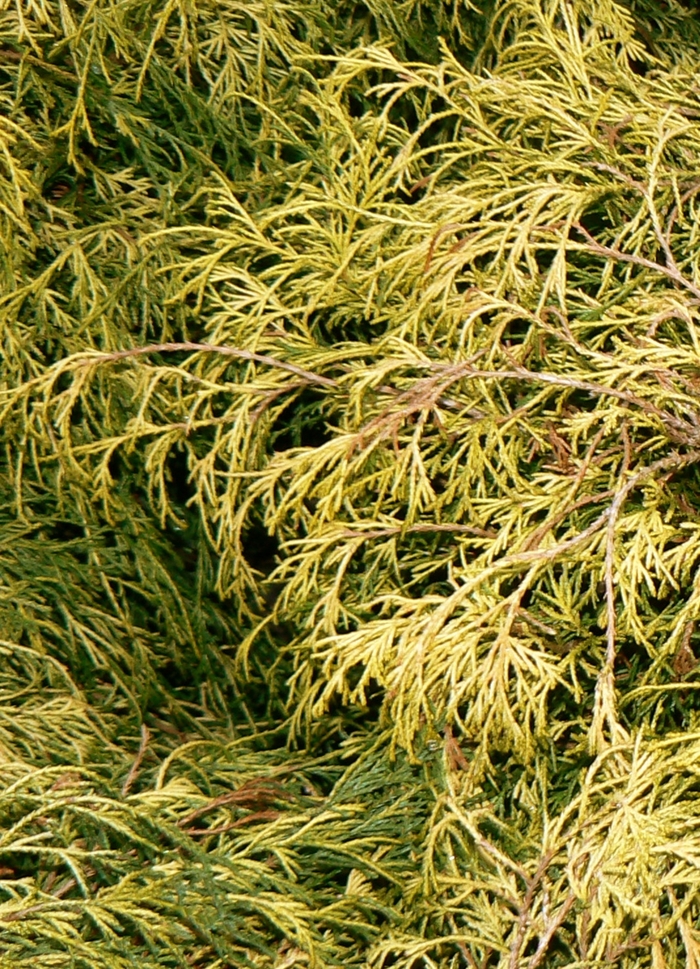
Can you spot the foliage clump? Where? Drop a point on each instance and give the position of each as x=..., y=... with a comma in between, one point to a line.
x=350, y=506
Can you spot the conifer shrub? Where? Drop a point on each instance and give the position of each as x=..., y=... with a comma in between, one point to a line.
x=350, y=494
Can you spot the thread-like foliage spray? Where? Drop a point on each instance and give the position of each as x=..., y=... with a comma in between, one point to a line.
x=350, y=504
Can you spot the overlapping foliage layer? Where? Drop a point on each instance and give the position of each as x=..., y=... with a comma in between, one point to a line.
x=350, y=510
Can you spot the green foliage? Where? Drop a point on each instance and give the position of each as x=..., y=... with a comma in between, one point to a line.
x=350, y=504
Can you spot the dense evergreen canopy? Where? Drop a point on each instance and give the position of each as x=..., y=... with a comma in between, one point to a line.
x=350, y=484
